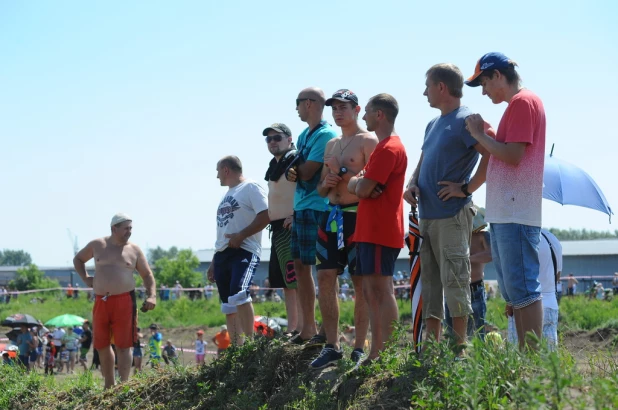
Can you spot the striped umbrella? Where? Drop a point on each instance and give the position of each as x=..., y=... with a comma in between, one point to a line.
x=414, y=240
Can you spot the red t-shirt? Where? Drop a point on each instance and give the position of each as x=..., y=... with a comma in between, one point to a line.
x=515, y=192
x=380, y=220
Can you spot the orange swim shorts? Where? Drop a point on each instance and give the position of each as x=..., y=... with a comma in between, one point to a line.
x=115, y=318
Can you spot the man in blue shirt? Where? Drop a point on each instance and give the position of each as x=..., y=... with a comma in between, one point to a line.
x=24, y=341
x=442, y=187
x=308, y=204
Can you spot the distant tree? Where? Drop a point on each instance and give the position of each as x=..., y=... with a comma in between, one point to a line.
x=10, y=257
x=159, y=253
x=582, y=234
x=181, y=268
x=30, y=277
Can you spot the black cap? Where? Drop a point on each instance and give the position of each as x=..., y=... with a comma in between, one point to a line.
x=154, y=326
x=344, y=95
x=279, y=127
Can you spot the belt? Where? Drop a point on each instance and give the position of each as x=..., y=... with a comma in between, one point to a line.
x=334, y=223
x=476, y=285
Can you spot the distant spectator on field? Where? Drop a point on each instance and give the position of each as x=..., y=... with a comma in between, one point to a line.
x=76, y=292
x=208, y=291
x=69, y=291
x=615, y=283
x=571, y=285
x=222, y=340
x=200, y=347
x=178, y=290
x=170, y=355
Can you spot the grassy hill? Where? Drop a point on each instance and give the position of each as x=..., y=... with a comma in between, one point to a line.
x=267, y=374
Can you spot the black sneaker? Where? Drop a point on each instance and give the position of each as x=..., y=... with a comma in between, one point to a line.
x=357, y=355
x=316, y=341
x=296, y=340
x=328, y=356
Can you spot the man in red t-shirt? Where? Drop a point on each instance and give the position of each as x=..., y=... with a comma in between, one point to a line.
x=379, y=226
x=514, y=188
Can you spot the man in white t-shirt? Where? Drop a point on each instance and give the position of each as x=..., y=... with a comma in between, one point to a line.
x=550, y=260
x=57, y=336
x=241, y=217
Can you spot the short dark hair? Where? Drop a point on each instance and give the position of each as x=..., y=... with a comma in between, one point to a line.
x=510, y=73
x=232, y=162
x=450, y=75
x=387, y=104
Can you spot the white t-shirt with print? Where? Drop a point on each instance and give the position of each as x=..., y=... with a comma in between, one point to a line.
x=199, y=346
x=236, y=211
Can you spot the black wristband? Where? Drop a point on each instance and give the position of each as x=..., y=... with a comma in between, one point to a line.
x=464, y=189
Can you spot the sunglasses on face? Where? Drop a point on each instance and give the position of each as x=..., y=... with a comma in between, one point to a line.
x=276, y=138
x=299, y=100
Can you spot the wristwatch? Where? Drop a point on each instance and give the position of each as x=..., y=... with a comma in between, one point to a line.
x=464, y=189
x=342, y=171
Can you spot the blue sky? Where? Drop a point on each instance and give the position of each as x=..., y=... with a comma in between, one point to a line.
x=127, y=106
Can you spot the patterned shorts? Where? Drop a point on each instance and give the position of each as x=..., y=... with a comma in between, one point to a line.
x=304, y=235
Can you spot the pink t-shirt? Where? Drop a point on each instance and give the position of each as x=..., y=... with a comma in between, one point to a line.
x=515, y=192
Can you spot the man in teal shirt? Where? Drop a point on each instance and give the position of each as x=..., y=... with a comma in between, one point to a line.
x=308, y=204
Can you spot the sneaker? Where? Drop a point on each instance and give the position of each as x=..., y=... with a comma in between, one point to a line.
x=327, y=357
x=357, y=355
x=315, y=341
x=296, y=340
x=291, y=334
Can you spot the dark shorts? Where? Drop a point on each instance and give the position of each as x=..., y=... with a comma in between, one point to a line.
x=328, y=254
x=281, y=273
x=137, y=350
x=33, y=356
x=372, y=258
x=304, y=235
x=234, y=271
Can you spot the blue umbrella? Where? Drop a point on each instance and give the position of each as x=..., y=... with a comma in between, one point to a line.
x=568, y=184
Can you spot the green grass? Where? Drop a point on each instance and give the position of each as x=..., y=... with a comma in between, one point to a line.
x=575, y=312
x=269, y=375
x=579, y=312
x=168, y=314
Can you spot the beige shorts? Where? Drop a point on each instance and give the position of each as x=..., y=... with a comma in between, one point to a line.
x=445, y=264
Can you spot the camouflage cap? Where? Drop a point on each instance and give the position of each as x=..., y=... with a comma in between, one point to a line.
x=279, y=127
x=344, y=95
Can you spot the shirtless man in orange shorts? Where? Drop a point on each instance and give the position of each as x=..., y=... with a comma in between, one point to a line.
x=115, y=309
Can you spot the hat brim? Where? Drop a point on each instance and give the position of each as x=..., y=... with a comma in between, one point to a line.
x=265, y=132
x=475, y=80
x=330, y=101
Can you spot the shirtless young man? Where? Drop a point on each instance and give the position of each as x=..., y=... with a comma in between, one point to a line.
x=115, y=308
x=281, y=273
x=344, y=157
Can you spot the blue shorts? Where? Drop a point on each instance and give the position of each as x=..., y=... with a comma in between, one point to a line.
x=305, y=235
x=515, y=253
x=372, y=258
x=234, y=270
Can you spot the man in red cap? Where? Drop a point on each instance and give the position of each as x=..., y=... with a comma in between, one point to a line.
x=514, y=187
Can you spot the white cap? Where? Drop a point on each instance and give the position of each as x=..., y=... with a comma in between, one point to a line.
x=119, y=218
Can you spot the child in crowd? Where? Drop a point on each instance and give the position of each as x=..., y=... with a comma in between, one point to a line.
x=50, y=352
x=200, y=347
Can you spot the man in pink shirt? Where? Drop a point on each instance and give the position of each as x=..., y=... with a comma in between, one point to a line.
x=514, y=187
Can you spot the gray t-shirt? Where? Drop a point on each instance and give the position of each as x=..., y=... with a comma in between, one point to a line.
x=236, y=211
x=448, y=155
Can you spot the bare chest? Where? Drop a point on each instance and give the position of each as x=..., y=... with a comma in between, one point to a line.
x=349, y=154
x=115, y=256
